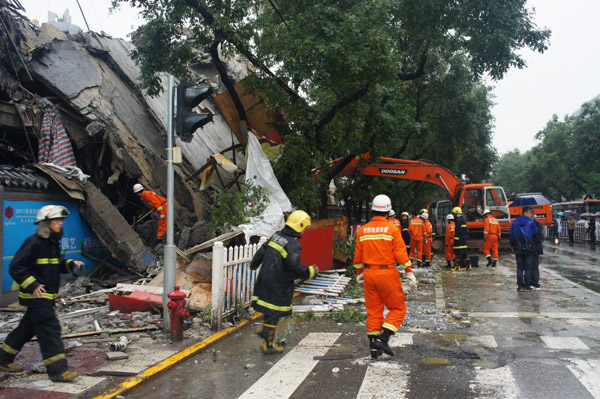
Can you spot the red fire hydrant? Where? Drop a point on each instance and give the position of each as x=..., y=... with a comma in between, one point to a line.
x=178, y=313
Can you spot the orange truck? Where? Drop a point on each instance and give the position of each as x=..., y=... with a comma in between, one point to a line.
x=472, y=198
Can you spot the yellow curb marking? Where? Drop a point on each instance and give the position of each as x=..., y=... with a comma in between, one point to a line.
x=166, y=364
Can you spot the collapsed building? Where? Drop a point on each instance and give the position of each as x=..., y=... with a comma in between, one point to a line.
x=74, y=122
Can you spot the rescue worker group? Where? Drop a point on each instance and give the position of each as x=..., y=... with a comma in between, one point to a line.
x=384, y=247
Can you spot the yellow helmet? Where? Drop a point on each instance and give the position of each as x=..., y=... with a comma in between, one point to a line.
x=422, y=211
x=404, y=214
x=456, y=209
x=298, y=221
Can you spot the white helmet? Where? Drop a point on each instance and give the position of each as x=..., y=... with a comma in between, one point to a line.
x=49, y=212
x=137, y=188
x=382, y=203
x=450, y=217
x=392, y=213
x=485, y=212
x=425, y=216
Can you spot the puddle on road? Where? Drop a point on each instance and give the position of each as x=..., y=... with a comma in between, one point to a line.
x=436, y=361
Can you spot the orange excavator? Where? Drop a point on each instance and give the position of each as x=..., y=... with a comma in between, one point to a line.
x=473, y=199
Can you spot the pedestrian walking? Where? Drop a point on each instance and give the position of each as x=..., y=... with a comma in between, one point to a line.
x=36, y=267
x=449, y=240
x=155, y=202
x=571, y=229
x=538, y=241
x=492, y=234
x=591, y=230
x=274, y=287
x=460, y=241
x=522, y=230
x=379, y=246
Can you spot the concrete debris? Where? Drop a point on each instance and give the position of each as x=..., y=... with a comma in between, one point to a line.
x=116, y=355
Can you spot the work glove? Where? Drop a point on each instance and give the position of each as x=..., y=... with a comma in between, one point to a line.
x=411, y=283
x=316, y=271
x=360, y=278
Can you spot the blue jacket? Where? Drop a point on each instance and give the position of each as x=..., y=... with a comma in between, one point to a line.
x=522, y=231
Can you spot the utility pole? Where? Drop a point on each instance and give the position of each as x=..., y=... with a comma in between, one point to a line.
x=170, y=254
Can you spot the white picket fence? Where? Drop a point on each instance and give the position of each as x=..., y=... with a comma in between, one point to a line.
x=232, y=279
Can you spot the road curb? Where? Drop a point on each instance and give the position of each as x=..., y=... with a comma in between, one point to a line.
x=135, y=382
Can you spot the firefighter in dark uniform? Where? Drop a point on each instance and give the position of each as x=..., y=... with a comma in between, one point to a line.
x=461, y=254
x=404, y=229
x=274, y=288
x=36, y=267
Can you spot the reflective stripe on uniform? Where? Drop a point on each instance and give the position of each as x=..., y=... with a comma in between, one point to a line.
x=44, y=295
x=359, y=266
x=279, y=248
x=55, y=359
x=374, y=332
x=27, y=282
x=271, y=306
x=461, y=247
x=47, y=261
x=390, y=327
x=8, y=349
x=384, y=237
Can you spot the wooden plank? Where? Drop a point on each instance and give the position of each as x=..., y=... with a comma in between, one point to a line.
x=209, y=243
x=122, y=287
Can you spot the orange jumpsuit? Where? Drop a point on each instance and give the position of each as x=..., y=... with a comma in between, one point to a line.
x=428, y=229
x=394, y=221
x=492, y=233
x=449, y=242
x=417, y=234
x=155, y=201
x=379, y=245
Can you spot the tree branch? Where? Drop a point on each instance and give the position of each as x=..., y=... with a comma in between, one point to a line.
x=421, y=70
x=357, y=95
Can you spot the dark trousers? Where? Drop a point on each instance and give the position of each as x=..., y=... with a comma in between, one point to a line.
x=571, y=237
x=593, y=240
x=524, y=266
x=40, y=321
x=535, y=271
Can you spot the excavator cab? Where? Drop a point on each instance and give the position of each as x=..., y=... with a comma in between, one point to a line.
x=495, y=201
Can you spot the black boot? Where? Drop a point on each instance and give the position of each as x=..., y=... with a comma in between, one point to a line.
x=268, y=346
x=489, y=258
x=381, y=341
x=449, y=265
x=427, y=264
x=375, y=351
x=494, y=263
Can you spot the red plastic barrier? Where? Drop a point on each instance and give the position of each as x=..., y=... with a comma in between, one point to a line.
x=317, y=247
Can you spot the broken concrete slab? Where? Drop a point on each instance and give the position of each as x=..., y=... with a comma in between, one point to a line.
x=118, y=355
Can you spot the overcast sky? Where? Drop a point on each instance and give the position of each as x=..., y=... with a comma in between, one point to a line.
x=556, y=82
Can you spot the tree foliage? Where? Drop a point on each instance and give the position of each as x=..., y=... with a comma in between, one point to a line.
x=564, y=165
x=389, y=77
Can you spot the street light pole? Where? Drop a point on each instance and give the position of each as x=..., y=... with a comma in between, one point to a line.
x=170, y=254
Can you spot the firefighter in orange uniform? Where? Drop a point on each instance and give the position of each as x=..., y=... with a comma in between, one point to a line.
x=428, y=229
x=449, y=242
x=492, y=233
x=156, y=202
x=379, y=245
x=393, y=220
x=417, y=235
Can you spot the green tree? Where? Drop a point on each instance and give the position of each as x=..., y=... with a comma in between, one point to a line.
x=389, y=77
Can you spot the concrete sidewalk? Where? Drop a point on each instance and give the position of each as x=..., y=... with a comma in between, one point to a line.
x=148, y=357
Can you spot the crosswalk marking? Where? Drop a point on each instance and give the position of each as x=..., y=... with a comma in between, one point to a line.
x=400, y=340
x=568, y=343
x=384, y=380
x=288, y=373
x=495, y=383
x=588, y=373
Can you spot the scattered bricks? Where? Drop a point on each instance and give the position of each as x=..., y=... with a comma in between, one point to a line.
x=465, y=323
x=456, y=314
x=116, y=355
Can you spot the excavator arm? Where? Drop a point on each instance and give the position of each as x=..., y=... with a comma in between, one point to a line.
x=405, y=169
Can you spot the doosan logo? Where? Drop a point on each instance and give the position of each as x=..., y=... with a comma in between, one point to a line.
x=385, y=171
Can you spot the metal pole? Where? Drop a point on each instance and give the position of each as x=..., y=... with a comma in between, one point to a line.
x=170, y=255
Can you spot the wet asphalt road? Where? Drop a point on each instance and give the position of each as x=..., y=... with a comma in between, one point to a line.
x=542, y=344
